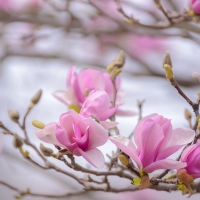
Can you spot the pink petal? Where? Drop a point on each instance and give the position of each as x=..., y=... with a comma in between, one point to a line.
x=108, y=113
x=97, y=134
x=196, y=7
x=77, y=131
x=90, y=79
x=151, y=136
x=93, y=156
x=70, y=75
x=181, y=136
x=66, y=121
x=48, y=134
x=63, y=138
x=76, y=88
x=187, y=151
x=167, y=130
x=61, y=96
x=126, y=113
x=67, y=97
x=137, y=136
x=83, y=141
x=127, y=146
x=164, y=164
x=197, y=75
x=97, y=104
x=108, y=125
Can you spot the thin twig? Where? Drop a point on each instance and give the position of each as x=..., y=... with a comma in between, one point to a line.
x=77, y=167
x=29, y=193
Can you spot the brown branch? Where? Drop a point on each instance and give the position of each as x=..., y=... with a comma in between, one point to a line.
x=160, y=7
x=77, y=167
x=29, y=193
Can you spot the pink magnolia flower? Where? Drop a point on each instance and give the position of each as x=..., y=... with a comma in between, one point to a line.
x=191, y=155
x=195, y=6
x=78, y=135
x=197, y=75
x=98, y=105
x=155, y=141
x=86, y=80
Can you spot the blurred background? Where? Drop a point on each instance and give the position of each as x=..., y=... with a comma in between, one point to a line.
x=41, y=39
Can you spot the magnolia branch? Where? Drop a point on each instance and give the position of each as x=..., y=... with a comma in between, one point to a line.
x=29, y=193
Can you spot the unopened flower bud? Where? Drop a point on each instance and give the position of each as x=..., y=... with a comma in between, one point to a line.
x=46, y=151
x=169, y=72
x=17, y=141
x=184, y=177
x=114, y=68
x=195, y=6
x=38, y=124
x=123, y=159
x=14, y=115
x=167, y=59
x=36, y=97
x=187, y=114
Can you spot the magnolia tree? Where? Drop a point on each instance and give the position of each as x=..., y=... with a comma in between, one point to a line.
x=94, y=97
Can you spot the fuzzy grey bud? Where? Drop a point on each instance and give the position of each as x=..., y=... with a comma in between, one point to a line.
x=36, y=97
x=115, y=67
x=187, y=114
x=17, y=141
x=46, y=151
x=14, y=115
x=167, y=59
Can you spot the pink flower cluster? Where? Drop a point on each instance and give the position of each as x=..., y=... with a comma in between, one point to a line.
x=79, y=133
x=155, y=140
x=82, y=132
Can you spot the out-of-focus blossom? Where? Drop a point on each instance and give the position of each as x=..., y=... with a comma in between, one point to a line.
x=155, y=141
x=78, y=135
x=19, y=6
x=191, y=155
x=196, y=75
x=108, y=7
x=141, y=195
x=78, y=85
x=98, y=105
x=100, y=23
x=136, y=46
x=195, y=6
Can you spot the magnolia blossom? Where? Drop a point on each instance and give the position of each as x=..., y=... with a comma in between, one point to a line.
x=191, y=155
x=197, y=75
x=78, y=135
x=85, y=81
x=20, y=6
x=195, y=6
x=155, y=141
x=98, y=105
